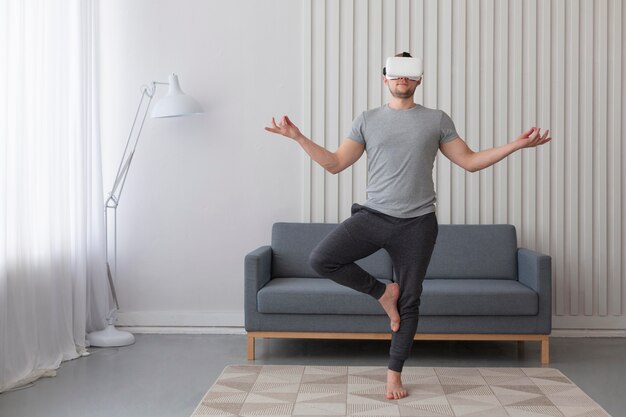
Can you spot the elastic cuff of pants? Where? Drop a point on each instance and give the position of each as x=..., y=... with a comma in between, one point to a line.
x=379, y=290
x=395, y=364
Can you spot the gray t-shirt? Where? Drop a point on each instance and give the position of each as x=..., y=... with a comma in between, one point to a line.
x=401, y=147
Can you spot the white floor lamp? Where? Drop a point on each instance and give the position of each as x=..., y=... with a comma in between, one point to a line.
x=174, y=104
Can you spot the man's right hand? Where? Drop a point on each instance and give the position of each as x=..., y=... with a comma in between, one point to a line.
x=333, y=162
x=285, y=127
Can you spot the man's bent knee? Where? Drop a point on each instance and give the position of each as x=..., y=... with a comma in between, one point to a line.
x=322, y=263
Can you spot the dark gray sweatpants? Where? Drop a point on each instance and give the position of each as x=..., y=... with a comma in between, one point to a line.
x=410, y=244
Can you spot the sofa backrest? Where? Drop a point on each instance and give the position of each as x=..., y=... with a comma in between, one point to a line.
x=474, y=251
x=292, y=243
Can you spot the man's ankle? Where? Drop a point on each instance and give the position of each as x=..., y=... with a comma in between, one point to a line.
x=395, y=365
x=379, y=290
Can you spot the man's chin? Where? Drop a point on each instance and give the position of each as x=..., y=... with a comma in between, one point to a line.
x=402, y=95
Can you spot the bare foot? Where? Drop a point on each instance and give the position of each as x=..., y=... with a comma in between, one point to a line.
x=389, y=301
x=395, y=390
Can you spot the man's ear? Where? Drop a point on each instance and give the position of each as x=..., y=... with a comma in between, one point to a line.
x=385, y=80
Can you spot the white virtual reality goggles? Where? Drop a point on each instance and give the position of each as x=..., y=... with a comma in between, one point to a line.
x=403, y=67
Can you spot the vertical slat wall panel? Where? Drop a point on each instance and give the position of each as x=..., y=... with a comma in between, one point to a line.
x=331, y=109
x=498, y=68
x=486, y=105
x=514, y=116
x=431, y=50
x=623, y=155
x=585, y=118
x=471, y=133
x=403, y=23
x=614, y=134
x=431, y=46
x=558, y=156
x=500, y=111
x=600, y=160
x=459, y=59
x=572, y=134
x=375, y=56
x=307, y=92
x=346, y=99
x=544, y=117
x=529, y=118
x=360, y=78
x=443, y=169
x=417, y=37
x=318, y=105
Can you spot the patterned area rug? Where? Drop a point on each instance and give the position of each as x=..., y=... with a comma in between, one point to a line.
x=275, y=390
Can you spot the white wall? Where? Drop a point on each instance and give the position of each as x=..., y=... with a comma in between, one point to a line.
x=202, y=192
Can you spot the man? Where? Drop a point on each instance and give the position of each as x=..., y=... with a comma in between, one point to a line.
x=402, y=139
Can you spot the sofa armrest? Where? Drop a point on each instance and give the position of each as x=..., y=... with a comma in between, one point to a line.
x=257, y=273
x=534, y=270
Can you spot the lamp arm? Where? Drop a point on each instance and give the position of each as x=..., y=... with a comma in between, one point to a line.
x=131, y=145
x=113, y=198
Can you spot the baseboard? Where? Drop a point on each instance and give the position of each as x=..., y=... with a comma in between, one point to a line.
x=183, y=330
x=238, y=330
x=589, y=322
x=587, y=333
x=183, y=319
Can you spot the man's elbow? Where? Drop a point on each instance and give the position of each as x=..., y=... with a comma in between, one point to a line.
x=334, y=170
x=469, y=163
x=334, y=167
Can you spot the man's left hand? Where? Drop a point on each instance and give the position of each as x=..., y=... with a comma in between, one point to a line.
x=533, y=138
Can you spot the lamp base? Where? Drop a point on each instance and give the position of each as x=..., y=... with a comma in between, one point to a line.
x=110, y=337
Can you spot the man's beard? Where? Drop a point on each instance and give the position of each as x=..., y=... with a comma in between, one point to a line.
x=402, y=95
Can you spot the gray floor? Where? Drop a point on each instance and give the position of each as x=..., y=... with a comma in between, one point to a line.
x=167, y=375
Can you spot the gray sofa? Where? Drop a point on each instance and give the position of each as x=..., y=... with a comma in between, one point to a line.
x=479, y=286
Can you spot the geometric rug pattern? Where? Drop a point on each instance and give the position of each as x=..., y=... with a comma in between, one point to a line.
x=306, y=391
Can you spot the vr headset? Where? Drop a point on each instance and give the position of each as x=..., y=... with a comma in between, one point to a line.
x=403, y=67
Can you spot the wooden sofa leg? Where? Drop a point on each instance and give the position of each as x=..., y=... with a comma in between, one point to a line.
x=250, y=347
x=545, y=351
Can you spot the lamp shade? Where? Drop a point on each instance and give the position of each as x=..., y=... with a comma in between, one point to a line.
x=175, y=103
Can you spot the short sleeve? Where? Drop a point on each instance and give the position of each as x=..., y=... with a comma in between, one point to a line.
x=447, y=131
x=358, y=127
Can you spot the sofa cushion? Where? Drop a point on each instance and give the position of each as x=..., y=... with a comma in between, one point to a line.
x=440, y=297
x=292, y=244
x=474, y=251
x=477, y=297
x=314, y=296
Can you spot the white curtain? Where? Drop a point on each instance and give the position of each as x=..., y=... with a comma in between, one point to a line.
x=53, y=286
